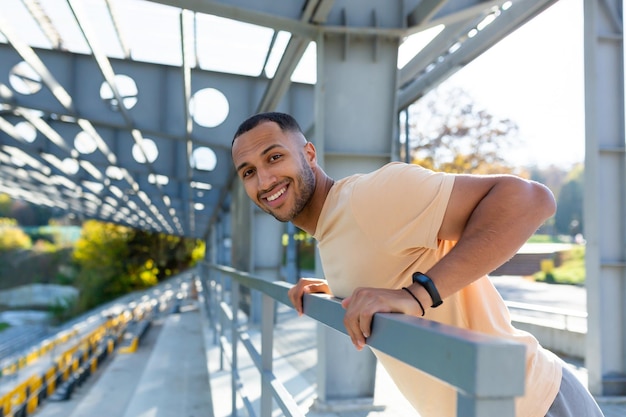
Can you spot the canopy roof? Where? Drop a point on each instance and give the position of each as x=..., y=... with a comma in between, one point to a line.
x=124, y=110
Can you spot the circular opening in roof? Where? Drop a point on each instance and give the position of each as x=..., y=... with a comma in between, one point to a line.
x=203, y=159
x=26, y=131
x=70, y=166
x=209, y=107
x=24, y=79
x=127, y=89
x=85, y=143
x=114, y=172
x=149, y=147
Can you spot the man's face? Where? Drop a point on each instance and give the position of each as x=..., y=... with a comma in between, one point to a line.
x=276, y=168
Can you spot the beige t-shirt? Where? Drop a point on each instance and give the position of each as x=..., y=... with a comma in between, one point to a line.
x=376, y=230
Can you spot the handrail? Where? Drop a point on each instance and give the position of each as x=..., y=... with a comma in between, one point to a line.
x=487, y=372
x=546, y=309
x=566, y=314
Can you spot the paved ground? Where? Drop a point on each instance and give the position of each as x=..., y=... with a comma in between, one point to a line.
x=169, y=376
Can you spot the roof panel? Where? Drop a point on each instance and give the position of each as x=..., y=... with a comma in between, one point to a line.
x=152, y=31
x=63, y=20
x=17, y=17
x=99, y=178
x=226, y=45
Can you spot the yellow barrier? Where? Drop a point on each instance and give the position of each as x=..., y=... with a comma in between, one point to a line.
x=50, y=376
x=85, y=352
x=131, y=347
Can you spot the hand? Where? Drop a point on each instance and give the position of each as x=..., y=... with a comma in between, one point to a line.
x=365, y=302
x=306, y=285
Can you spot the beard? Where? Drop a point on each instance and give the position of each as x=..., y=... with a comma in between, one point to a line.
x=306, y=185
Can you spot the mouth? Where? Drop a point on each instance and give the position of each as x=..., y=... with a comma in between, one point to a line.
x=276, y=197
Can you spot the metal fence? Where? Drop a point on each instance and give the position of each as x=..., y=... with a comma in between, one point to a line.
x=488, y=373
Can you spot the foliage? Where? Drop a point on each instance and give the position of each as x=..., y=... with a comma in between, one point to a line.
x=553, y=177
x=64, y=310
x=12, y=237
x=571, y=271
x=569, y=216
x=101, y=254
x=113, y=260
x=449, y=132
x=4, y=325
x=543, y=238
x=5, y=205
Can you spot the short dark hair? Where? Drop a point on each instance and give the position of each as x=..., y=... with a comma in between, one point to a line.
x=286, y=123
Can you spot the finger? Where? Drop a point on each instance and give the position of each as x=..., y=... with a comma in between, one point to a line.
x=295, y=296
x=320, y=288
x=351, y=322
x=365, y=324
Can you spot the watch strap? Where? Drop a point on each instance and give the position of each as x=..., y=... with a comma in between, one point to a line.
x=428, y=284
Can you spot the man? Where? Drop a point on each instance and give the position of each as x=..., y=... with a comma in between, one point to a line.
x=404, y=239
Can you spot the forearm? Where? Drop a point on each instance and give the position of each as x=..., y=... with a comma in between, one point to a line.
x=500, y=224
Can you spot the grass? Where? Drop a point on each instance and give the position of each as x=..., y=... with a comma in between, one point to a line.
x=571, y=271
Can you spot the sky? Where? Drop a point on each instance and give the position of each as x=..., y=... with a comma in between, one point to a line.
x=535, y=78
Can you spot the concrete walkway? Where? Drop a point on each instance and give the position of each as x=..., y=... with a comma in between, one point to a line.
x=167, y=376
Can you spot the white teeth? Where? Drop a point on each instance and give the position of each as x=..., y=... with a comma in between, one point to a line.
x=276, y=195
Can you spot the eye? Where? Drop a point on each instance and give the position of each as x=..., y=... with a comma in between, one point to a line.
x=275, y=157
x=247, y=172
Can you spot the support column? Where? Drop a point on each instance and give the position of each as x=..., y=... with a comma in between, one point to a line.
x=256, y=248
x=266, y=254
x=291, y=264
x=355, y=119
x=605, y=199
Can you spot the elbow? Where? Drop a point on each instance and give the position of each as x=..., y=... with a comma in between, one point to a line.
x=544, y=201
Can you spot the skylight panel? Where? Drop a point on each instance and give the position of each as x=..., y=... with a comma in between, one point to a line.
x=20, y=21
x=99, y=18
x=152, y=31
x=64, y=22
x=306, y=71
x=226, y=45
x=278, y=49
x=414, y=44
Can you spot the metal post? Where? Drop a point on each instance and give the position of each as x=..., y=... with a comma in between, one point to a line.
x=234, y=342
x=267, y=354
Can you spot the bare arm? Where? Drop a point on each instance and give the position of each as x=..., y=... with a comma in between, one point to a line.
x=490, y=218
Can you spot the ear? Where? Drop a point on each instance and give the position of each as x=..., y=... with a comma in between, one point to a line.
x=310, y=154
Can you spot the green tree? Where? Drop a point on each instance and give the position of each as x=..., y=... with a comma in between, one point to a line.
x=569, y=214
x=101, y=255
x=113, y=260
x=554, y=178
x=449, y=132
x=5, y=205
x=12, y=237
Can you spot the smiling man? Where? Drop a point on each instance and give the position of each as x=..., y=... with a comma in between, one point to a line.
x=403, y=239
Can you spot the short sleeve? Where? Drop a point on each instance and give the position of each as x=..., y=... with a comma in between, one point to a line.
x=402, y=206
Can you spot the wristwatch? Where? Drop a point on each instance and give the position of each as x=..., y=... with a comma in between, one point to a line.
x=429, y=285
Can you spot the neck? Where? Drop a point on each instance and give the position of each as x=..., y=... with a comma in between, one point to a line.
x=307, y=220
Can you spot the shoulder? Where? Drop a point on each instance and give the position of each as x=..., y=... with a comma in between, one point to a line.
x=401, y=174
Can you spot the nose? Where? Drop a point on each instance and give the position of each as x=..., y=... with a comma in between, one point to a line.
x=266, y=179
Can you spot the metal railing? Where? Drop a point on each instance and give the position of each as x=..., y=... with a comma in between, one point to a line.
x=567, y=319
x=488, y=373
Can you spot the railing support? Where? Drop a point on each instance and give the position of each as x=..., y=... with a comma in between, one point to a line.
x=487, y=372
x=267, y=357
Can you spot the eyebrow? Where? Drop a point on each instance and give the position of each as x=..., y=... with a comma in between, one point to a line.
x=265, y=152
